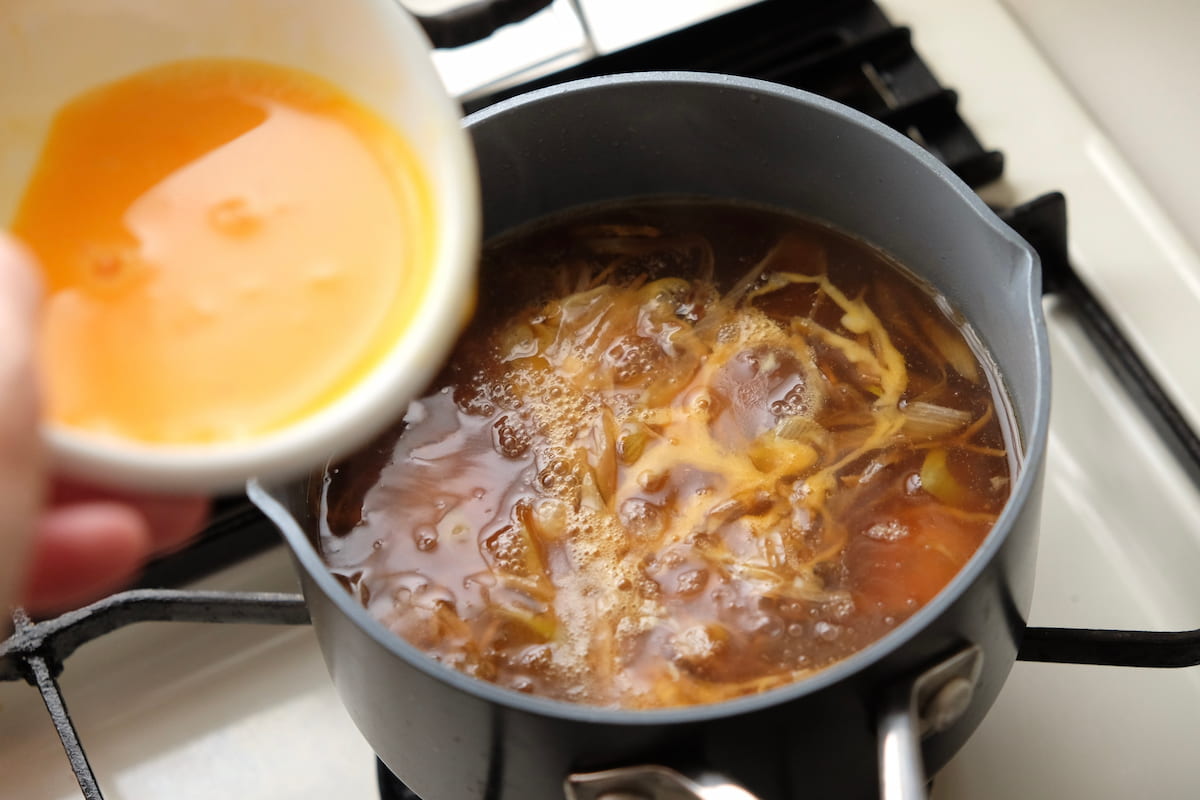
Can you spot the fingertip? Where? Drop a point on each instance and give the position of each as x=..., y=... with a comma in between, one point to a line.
x=19, y=276
x=171, y=519
x=82, y=552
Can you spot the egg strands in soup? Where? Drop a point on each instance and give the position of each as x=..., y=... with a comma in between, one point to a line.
x=688, y=451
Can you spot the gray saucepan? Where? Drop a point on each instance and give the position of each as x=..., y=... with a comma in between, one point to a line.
x=913, y=696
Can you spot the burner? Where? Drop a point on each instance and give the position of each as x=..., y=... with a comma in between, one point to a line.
x=391, y=787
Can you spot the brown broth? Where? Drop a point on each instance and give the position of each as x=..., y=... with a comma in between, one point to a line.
x=686, y=451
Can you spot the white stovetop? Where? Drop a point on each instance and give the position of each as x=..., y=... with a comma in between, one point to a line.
x=192, y=711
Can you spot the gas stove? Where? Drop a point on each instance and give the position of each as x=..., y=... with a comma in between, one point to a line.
x=195, y=710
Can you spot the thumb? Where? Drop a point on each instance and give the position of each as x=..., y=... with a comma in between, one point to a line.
x=22, y=460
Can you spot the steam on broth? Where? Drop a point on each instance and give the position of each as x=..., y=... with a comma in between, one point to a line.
x=686, y=451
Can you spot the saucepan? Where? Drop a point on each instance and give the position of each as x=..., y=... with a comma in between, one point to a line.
x=904, y=704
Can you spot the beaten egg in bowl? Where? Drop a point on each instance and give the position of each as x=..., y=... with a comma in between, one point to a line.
x=258, y=223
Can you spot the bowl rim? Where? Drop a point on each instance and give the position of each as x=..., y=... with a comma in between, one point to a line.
x=1024, y=489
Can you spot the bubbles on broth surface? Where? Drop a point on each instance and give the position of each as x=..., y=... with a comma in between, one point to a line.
x=686, y=452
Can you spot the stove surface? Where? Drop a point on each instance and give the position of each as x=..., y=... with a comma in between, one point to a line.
x=199, y=711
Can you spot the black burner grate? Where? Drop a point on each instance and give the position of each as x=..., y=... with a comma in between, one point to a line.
x=844, y=50
x=36, y=650
x=847, y=51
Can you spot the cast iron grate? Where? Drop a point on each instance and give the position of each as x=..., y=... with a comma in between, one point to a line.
x=844, y=50
x=36, y=650
x=847, y=51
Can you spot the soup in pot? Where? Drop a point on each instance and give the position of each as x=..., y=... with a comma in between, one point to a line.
x=686, y=451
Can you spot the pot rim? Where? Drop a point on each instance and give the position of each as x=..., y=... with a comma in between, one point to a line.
x=1034, y=444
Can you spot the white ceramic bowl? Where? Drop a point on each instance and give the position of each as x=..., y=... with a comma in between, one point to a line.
x=52, y=50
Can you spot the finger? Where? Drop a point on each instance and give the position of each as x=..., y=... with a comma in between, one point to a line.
x=22, y=461
x=170, y=520
x=84, y=551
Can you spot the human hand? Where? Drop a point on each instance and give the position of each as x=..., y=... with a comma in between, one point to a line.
x=62, y=543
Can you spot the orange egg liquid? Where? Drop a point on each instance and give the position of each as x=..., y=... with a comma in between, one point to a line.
x=228, y=247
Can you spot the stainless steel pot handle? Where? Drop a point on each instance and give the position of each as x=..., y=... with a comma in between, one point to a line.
x=651, y=782
x=919, y=706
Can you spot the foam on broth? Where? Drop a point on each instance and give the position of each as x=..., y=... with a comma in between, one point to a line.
x=686, y=451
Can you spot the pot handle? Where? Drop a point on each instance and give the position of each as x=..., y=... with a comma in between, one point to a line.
x=918, y=706
x=651, y=782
